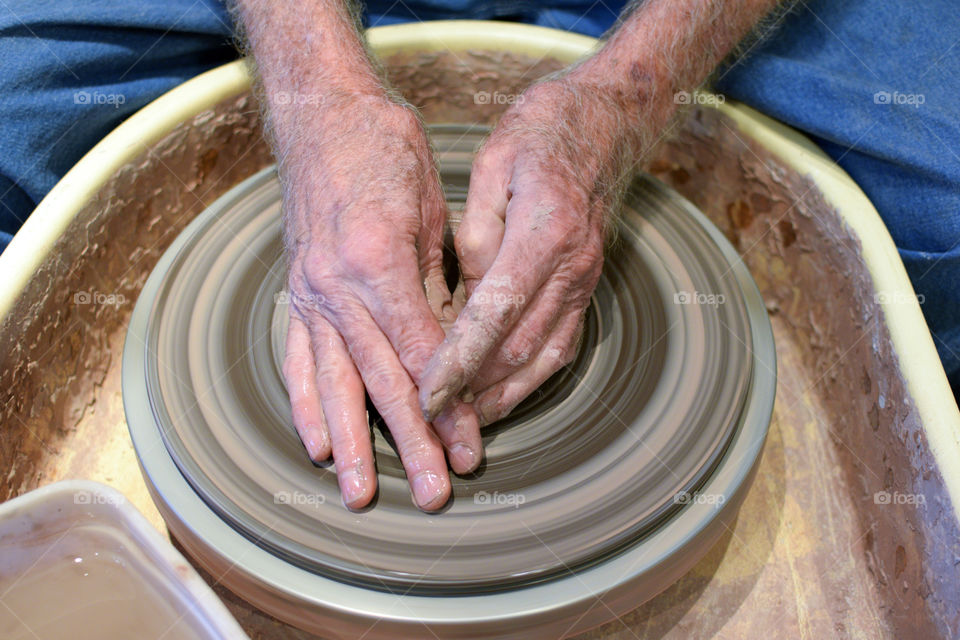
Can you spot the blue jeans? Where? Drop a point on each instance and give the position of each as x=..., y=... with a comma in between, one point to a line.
x=874, y=83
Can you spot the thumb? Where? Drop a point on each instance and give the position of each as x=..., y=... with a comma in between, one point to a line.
x=430, y=243
x=481, y=230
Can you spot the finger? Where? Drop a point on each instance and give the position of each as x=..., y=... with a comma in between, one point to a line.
x=526, y=338
x=458, y=427
x=344, y=407
x=392, y=293
x=496, y=402
x=393, y=393
x=430, y=254
x=493, y=308
x=299, y=373
x=402, y=314
x=439, y=298
x=481, y=229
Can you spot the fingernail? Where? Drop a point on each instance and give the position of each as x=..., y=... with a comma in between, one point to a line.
x=464, y=452
x=351, y=484
x=435, y=403
x=489, y=413
x=428, y=488
x=314, y=442
x=488, y=406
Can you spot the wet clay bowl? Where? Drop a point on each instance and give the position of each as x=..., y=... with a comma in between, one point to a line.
x=850, y=526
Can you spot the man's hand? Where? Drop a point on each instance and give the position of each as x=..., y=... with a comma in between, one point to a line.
x=543, y=189
x=531, y=243
x=364, y=223
x=364, y=215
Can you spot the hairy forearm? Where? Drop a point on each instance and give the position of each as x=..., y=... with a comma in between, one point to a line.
x=309, y=55
x=663, y=47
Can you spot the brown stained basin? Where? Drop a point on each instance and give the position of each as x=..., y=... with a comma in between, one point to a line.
x=849, y=529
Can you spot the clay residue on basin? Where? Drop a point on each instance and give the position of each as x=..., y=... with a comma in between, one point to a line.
x=812, y=553
x=61, y=344
x=464, y=86
x=875, y=500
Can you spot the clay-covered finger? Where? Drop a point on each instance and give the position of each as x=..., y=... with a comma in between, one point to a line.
x=526, y=338
x=403, y=315
x=344, y=405
x=496, y=402
x=491, y=311
x=299, y=373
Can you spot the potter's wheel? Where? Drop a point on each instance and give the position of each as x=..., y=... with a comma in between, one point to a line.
x=627, y=459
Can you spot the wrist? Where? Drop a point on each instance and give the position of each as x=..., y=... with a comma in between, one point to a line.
x=328, y=117
x=667, y=46
x=638, y=99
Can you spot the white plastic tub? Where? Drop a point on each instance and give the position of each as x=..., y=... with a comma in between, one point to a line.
x=78, y=561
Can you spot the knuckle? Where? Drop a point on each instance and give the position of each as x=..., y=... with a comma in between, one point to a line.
x=591, y=255
x=313, y=283
x=489, y=161
x=520, y=346
x=390, y=384
x=567, y=355
x=316, y=262
x=565, y=236
x=414, y=349
x=579, y=276
x=413, y=447
x=327, y=370
x=296, y=365
x=470, y=239
x=579, y=297
x=487, y=319
x=406, y=120
x=361, y=255
x=515, y=354
x=557, y=357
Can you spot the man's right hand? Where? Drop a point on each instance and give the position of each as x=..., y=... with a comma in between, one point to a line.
x=364, y=219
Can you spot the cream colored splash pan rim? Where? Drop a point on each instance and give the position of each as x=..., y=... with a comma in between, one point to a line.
x=919, y=363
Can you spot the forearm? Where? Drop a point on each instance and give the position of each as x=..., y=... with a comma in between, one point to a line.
x=664, y=47
x=309, y=56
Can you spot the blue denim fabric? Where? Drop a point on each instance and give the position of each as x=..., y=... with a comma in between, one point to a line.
x=874, y=83
x=590, y=18
x=72, y=73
